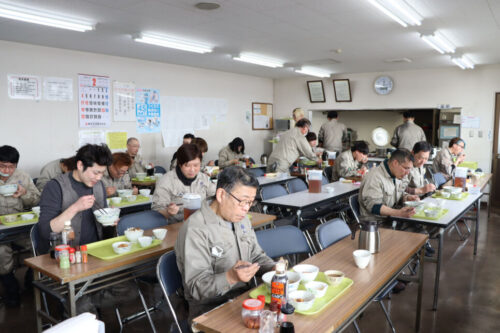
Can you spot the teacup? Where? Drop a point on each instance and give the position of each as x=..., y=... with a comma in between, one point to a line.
x=362, y=258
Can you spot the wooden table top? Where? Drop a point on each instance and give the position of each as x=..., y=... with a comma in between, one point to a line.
x=396, y=248
x=259, y=219
x=143, y=183
x=483, y=181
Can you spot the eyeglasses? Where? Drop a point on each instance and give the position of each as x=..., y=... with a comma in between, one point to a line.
x=8, y=166
x=243, y=203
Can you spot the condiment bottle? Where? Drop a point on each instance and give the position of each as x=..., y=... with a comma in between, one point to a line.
x=83, y=249
x=54, y=236
x=286, y=315
x=250, y=313
x=64, y=259
x=72, y=259
x=68, y=234
x=279, y=285
x=78, y=256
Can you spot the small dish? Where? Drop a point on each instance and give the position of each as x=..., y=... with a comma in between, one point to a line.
x=293, y=280
x=301, y=300
x=36, y=210
x=307, y=272
x=445, y=194
x=456, y=195
x=26, y=217
x=141, y=176
x=334, y=277
x=145, y=192
x=160, y=233
x=108, y=217
x=131, y=198
x=8, y=190
x=362, y=258
x=432, y=213
x=124, y=193
x=121, y=247
x=133, y=234
x=145, y=241
x=10, y=218
x=317, y=288
x=116, y=200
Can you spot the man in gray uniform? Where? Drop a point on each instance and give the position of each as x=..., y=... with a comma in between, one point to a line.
x=383, y=188
x=417, y=183
x=449, y=158
x=407, y=134
x=138, y=164
x=291, y=145
x=332, y=133
x=217, y=251
x=351, y=162
x=52, y=169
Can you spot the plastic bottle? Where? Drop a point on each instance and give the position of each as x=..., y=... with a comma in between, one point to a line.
x=83, y=249
x=54, y=241
x=68, y=234
x=279, y=286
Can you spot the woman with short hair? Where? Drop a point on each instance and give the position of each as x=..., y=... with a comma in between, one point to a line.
x=232, y=153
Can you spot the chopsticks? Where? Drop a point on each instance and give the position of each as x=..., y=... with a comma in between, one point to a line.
x=100, y=208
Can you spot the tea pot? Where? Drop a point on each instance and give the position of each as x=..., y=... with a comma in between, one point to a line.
x=369, y=235
x=263, y=159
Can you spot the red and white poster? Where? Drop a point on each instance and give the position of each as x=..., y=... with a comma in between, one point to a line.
x=94, y=102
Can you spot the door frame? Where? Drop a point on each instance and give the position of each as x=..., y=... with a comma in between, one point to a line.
x=495, y=182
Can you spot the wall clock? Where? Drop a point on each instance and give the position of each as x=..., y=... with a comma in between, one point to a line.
x=383, y=85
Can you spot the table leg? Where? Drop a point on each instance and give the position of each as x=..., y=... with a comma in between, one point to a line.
x=476, y=232
x=438, y=268
x=420, y=288
x=72, y=299
x=299, y=212
x=38, y=304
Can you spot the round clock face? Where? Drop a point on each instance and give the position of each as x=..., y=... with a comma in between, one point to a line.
x=383, y=85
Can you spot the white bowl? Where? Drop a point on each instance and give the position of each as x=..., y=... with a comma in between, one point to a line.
x=452, y=189
x=317, y=288
x=140, y=175
x=133, y=234
x=121, y=247
x=362, y=258
x=293, y=280
x=329, y=189
x=11, y=218
x=307, y=272
x=158, y=176
x=444, y=194
x=145, y=192
x=116, y=200
x=160, y=233
x=8, y=190
x=413, y=204
x=131, y=198
x=431, y=212
x=301, y=300
x=109, y=218
x=456, y=195
x=26, y=217
x=124, y=193
x=440, y=203
x=145, y=241
x=36, y=210
x=334, y=277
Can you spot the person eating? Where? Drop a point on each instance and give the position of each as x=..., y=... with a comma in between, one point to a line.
x=449, y=158
x=351, y=163
x=187, y=138
x=54, y=168
x=138, y=165
x=232, y=153
x=116, y=177
x=417, y=183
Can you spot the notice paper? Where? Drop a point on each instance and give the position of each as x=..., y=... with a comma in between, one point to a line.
x=147, y=110
x=116, y=140
x=93, y=95
x=123, y=101
x=471, y=122
x=58, y=89
x=24, y=87
x=95, y=137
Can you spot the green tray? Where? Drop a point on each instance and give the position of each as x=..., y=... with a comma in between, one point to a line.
x=462, y=197
x=104, y=249
x=332, y=293
x=125, y=202
x=421, y=215
x=18, y=221
x=147, y=179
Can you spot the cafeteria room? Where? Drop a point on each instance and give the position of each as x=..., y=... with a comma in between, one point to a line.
x=340, y=156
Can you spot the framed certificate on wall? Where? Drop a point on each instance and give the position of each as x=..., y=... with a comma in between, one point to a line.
x=342, y=90
x=316, y=91
x=262, y=116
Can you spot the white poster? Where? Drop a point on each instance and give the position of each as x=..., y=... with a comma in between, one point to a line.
x=93, y=95
x=95, y=137
x=58, y=89
x=123, y=101
x=24, y=87
x=471, y=122
x=173, y=137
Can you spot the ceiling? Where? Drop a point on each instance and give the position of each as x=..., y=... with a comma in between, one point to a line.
x=299, y=32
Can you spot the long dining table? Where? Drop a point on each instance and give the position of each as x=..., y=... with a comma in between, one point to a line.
x=396, y=250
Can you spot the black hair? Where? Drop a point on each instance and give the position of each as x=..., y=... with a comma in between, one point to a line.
x=409, y=114
x=237, y=142
x=188, y=136
x=360, y=146
x=422, y=146
x=69, y=163
x=188, y=152
x=303, y=123
x=94, y=154
x=401, y=155
x=236, y=175
x=311, y=136
x=456, y=140
x=332, y=115
x=9, y=154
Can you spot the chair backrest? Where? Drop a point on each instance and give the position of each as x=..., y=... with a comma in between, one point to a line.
x=354, y=204
x=147, y=219
x=282, y=241
x=272, y=191
x=328, y=172
x=35, y=239
x=160, y=169
x=439, y=179
x=296, y=185
x=257, y=172
x=324, y=180
x=331, y=232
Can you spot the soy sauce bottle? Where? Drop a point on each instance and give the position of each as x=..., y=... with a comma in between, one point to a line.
x=279, y=286
x=54, y=240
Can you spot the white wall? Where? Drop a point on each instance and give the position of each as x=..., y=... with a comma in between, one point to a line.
x=43, y=131
x=473, y=90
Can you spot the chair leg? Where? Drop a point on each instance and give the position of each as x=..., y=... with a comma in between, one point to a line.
x=356, y=326
x=119, y=317
x=460, y=235
x=387, y=316
x=146, y=310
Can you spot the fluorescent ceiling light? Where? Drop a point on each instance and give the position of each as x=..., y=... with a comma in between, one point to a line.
x=259, y=60
x=44, y=18
x=439, y=42
x=399, y=11
x=312, y=71
x=463, y=62
x=173, y=43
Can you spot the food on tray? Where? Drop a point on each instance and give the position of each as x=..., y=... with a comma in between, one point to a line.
x=123, y=245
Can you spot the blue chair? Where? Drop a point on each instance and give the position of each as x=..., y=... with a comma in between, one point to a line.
x=272, y=191
x=160, y=169
x=331, y=232
x=282, y=241
x=296, y=185
x=170, y=281
x=147, y=219
x=257, y=172
x=324, y=180
x=439, y=179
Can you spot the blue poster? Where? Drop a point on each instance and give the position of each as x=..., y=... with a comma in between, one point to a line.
x=147, y=110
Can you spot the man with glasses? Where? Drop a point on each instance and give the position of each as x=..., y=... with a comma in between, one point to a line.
x=116, y=177
x=417, y=183
x=383, y=188
x=25, y=197
x=217, y=251
x=292, y=144
x=448, y=158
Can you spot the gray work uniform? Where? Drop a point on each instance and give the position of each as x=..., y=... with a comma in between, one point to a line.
x=170, y=189
x=332, y=134
x=226, y=155
x=122, y=183
x=416, y=178
x=443, y=163
x=11, y=205
x=407, y=134
x=49, y=171
x=138, y=165
x=345, y=166
x=206, y=248
x=291, y=145
x=379, y=187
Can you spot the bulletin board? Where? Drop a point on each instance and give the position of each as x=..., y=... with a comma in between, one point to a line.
x=262, y=116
